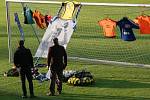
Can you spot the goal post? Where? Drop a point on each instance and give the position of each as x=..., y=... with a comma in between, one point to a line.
x=8, y=19
x=87, y=42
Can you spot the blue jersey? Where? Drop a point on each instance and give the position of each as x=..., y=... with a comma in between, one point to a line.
x=126, y=26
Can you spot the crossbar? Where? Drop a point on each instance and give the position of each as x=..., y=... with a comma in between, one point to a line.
x=83, y=3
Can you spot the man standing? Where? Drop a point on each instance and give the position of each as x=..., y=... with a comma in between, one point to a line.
x=57, y=61
x=23, y=60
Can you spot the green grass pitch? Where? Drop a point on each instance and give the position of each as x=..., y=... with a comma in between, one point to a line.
x=113, y=82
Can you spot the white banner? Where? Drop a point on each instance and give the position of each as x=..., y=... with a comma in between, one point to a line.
x=62, y=29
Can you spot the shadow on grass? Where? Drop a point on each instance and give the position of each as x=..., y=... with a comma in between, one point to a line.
x=66, y=96
x=6, y=95
x=107, y=83
x=99, y=97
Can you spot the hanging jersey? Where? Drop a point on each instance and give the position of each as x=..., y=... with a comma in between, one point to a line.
x=28, y=16
x=144, y=24
x=69, y=9
x=136, y=21
x=47, y=19
x=108, y=26
x=40, y=19
x=126, y=26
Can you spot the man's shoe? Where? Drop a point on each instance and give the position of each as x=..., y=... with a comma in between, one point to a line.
x=24, y=96
x=32, y=96
x=58, y=92
x=50, y=94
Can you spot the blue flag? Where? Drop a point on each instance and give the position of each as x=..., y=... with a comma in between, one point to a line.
x=19, y=26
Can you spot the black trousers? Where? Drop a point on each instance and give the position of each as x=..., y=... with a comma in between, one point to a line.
x=54, y=75
x=26, y=73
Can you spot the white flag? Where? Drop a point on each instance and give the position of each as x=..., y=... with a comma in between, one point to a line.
x=62, y=29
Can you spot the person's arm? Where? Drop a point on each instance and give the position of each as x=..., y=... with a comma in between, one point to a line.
x=30, y=58
x=16, y=62
x=49, y=57
x=65, y=58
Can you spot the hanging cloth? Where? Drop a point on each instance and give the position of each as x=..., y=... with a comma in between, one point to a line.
x=108, y=26
x=144, y=24
x=69, y=9
x=48, y=19
x=19, y=26
x=28, y=18
x=60, y=28
x=126, y=25
x=40, y=19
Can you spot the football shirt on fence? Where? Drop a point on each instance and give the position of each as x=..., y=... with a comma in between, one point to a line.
x=108, y=26
x=144, y=24
x=69, y=10
x=28, y=16
x=40, y=19
x=126, y=25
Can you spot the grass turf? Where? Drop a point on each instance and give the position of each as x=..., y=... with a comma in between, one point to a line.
x=112, y=82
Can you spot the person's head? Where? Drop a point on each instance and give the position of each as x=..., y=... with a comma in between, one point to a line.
x=21, y=43
x=55, y=40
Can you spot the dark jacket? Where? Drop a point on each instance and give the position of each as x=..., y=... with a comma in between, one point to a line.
x=57, y=57
x=23, y=58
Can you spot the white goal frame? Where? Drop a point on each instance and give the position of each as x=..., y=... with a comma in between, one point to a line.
x=82, y=3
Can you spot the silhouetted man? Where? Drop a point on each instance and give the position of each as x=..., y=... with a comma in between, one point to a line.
x=24, y=61
x=57, y=61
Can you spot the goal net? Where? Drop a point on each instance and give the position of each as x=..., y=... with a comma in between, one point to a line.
x=88, y=42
